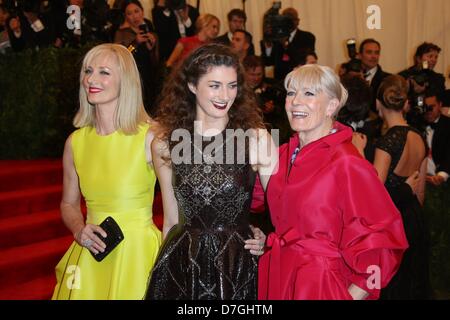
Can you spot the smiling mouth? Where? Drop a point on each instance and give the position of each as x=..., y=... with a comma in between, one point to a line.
x=220, y=106
x=94, y=90
x=299, y=114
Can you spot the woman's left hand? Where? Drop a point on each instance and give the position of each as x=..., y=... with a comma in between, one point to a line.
x=359, y=140
x=256, y=245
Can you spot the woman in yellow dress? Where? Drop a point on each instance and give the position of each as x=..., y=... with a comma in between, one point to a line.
x=108, y=158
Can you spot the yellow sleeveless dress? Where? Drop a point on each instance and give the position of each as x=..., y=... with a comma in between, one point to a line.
x=115, y=180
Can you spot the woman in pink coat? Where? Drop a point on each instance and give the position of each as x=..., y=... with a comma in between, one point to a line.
x=337, y=233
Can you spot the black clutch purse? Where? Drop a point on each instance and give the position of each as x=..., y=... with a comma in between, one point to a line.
x=113, y=237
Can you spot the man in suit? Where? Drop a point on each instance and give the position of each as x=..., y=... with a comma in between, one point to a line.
x=438, y=139
x=284, y=54
x=241, y=43
x=421, y=75
x=369, y=53
x=446, y=103
x=236, y=21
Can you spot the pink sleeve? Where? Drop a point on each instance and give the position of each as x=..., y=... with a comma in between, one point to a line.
x=258, y=205
x=373, y=238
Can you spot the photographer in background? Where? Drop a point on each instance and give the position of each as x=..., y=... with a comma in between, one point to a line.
x=422, y=75
x=284, y=41
x=445, y=110
x=422, y=79
x=354, y=67
x=356, y=113
x=30, y=26
x=270, y=96
x=137, y=35
x=173, y=19
x=438, y=139
x=369, y=53
x=93, y=25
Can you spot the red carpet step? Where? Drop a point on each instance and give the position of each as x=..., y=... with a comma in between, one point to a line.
x=33, y=237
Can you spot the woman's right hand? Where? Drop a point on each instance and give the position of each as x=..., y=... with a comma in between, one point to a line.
x=86, y=237
x=413, y=181
x=416, y=87
x=141, y=38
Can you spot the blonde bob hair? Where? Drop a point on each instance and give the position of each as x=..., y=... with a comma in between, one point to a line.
x=130, y=110
x=318, y=79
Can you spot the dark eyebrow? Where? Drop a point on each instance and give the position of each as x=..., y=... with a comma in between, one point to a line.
x=218, y=82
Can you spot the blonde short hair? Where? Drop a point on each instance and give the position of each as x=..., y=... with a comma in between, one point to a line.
x=130, y=110
x=205, y=20
x=318, y=79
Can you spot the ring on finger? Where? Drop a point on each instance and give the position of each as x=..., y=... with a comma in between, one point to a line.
x=87, y=243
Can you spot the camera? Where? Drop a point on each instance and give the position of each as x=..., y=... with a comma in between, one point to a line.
x=416, y=114
x=176, y=4
x=144, y=28
x=275, y=25
x=355, y=64
x=421, y=77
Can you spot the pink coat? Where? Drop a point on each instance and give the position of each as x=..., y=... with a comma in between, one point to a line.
x=335, y=224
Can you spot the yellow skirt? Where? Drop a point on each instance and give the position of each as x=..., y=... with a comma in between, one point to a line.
x=123, y=274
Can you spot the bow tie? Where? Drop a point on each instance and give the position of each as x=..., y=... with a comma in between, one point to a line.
x=367, y=75
x=433, y=125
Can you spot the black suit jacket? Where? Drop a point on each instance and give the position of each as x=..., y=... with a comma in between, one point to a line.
x=436, y=80
x=167, y=29
x=223, y=39
x=286, y=59
x=440, y=147
x=375, y=84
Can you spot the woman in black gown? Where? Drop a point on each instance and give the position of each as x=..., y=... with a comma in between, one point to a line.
x=207, y=180
x=400, y=155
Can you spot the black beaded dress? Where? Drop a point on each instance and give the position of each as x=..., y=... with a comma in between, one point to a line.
x=203, y=256
x=412, y=279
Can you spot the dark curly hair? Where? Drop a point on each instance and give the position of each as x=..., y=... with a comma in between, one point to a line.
x=177, y=107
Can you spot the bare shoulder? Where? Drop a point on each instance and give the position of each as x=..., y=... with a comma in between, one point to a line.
x=154, y=130
x=68, y=158
x=160, y=148
x=68, y=145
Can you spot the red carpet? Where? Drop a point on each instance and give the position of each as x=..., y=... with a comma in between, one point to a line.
x=32, y=235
